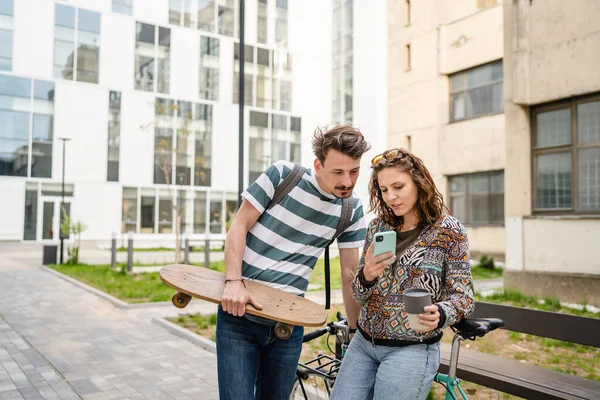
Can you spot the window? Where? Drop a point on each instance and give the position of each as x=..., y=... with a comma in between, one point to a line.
x=281, y=22
x=152, y=209
x=408, y=16
x=282, y=80
x=76, y=50
x=165, y=212
x=476, y=92
x=200, y=212
x=148, y=211
x=26, y=148
x=31, y=205
x=295, y=140
x=152, y=58
x=130, y=210
x=566, y=156
x=114, y=136
x=251, y=70
x=272, y=137
x=214, y=16
x=262, y=22
x=407, y=57
x=226, y=17
x=478, y=199
x=209, y=68
x=190, y=150
x=231, y=206
x=343, y=62
x=216, y=213
x=6, y=34
x=123, y=6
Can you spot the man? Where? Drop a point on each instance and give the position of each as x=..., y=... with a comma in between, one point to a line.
x=280, y=246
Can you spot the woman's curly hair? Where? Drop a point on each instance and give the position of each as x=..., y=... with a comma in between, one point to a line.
x=430, y=204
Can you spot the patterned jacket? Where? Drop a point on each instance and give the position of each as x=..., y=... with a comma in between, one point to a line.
x=437, y=261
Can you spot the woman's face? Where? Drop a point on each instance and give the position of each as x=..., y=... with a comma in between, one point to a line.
x=398, y=190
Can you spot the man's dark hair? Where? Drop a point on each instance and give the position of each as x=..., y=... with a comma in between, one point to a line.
x=343, y=138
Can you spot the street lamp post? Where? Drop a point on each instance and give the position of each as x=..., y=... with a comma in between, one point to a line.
x=62, y=202
x=241, y=107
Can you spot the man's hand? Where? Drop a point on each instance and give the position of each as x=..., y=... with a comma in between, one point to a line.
x=374, y=265
x=431, y=318
x=235, y=297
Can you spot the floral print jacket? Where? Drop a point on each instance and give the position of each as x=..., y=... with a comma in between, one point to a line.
x=437, y=261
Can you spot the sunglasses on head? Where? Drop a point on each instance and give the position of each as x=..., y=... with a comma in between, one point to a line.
x=388, y=155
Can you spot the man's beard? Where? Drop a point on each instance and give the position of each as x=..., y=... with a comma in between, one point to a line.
x=343, y=188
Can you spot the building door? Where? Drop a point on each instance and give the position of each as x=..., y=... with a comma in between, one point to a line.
x=50, y=218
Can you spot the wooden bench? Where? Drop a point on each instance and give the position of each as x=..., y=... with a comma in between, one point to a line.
x=525, y=380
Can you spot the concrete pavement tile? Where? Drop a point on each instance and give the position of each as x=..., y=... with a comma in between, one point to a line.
x=30, y=393
x=7, y=387
x=12, y=395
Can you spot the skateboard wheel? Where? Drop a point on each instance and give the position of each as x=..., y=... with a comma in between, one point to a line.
x=180, y=300
x=283, y=331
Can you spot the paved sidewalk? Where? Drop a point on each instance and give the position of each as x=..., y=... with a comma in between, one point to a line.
x=58, y=341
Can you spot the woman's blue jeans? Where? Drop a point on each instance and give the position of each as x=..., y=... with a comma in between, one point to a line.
x=252, y=363
x=383, y=372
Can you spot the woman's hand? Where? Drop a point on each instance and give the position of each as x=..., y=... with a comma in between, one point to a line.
x=374, y=265
x=431, y=318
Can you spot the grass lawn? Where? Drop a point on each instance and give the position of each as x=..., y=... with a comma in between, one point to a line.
x=167, y=249
x=479, y=272
x=147, y=287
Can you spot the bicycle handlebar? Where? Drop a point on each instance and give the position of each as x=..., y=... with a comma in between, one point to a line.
x=315, y=334
x=332, y=328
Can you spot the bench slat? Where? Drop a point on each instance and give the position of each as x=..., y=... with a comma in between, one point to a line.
x=569, y=328
x=519, y=379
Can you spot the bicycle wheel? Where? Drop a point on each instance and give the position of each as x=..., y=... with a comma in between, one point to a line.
x=315, y=387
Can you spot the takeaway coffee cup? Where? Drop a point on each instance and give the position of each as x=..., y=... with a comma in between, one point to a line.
x=414, y=302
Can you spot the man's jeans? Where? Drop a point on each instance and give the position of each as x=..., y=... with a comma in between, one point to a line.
x=252, y=362
x=382, y=372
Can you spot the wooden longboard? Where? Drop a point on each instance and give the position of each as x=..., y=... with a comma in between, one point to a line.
x=285, y=308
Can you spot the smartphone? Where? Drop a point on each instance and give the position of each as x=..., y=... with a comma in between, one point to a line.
x=384, y=242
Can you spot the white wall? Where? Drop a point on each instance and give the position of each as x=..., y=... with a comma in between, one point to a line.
x=98, y=205
x=151, y=11
x=117, y=52
x=225, y=146
x=566, y=243
x=185, y=59
x=92, y=5
x=81, y=114
x=33, y=38
x=137, y=139
x=12, y=209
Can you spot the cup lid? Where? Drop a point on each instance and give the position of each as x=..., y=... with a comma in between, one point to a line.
x=415, y=300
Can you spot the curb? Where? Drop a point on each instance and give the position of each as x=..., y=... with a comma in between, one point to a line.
x=188, y=335
x=117, y=302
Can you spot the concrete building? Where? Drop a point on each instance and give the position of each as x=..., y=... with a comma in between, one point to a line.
x=145, y=91
x=552, y=178
x=445, y=105
x=502, y=101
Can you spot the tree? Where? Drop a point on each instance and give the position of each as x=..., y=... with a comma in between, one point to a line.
x=68, y=227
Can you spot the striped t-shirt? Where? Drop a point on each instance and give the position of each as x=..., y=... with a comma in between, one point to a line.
x=283, y=246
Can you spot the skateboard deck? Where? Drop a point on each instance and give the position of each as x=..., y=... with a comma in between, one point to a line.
x=285, y=308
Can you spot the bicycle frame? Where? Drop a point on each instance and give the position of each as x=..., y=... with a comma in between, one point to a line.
x=450, y=381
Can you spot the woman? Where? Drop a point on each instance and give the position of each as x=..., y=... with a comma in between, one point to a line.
x=387, y=359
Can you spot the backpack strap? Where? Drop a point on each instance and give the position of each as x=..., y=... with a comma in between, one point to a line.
x=287, y=185
x=343, y=224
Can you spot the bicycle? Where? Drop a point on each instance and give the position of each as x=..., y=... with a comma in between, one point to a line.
x=316, y=377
